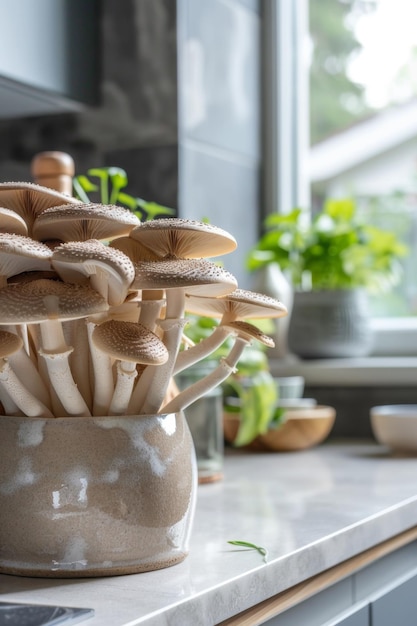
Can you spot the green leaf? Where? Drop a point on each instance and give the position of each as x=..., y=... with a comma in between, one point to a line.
x=85, y=183
x=257, y=394
x=102, y=173
x=335, y=250
x=80, y=185
x=111, y=182
x=340, y=209
x=278, y=418
x=283, y=219
x=118, y=180
x=251, y=546
x=152, y=209
x=128, y=200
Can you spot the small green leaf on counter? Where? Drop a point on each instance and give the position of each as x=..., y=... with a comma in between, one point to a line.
x=250, y=546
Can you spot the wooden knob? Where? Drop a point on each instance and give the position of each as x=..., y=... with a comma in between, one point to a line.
x=53, y=169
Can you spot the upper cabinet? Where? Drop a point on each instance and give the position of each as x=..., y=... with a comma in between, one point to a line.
x=49, y=56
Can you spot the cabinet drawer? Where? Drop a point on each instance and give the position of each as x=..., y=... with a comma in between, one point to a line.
x=397, y=606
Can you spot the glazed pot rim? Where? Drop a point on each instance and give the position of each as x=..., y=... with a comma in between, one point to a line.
x=89, y=418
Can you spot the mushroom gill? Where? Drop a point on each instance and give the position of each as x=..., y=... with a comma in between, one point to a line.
x=79, y=222
x=183, y=239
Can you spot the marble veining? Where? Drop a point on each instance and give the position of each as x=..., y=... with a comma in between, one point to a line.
x=311, y=510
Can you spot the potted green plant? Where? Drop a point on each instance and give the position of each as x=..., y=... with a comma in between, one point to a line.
x=333, y=262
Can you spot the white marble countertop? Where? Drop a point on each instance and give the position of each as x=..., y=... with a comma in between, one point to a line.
x=310, y=510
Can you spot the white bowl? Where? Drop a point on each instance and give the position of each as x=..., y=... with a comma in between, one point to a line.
x=289, y=387
x=297, y=403
x=395, y=426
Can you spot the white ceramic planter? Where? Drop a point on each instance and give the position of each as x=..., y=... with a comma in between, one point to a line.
x=95, y=496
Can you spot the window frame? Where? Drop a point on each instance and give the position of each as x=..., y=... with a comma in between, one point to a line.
x=286, y=140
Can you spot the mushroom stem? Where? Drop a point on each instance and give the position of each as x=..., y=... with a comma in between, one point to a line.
x=103, y=375
x=150, y=390
x=24, y=335
x=55, y=352
x=149, y=312
x=199, y=351
x=63, y=382
x=175, y=303
x=25, y=368
x=9, y=406
x=26, y=401
x=80, y=361
x=35, y=335
x=21, y=330
x=126, y=374
x=207, y=383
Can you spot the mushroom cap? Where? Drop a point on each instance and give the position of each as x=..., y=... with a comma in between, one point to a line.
x=76, y=260
x=43, y=299
x=249, y=332
x=9, y=343
x=239, y=304
x=136, y=251
x=26, y=277
x=29, y=199
x=184, y=239
x=11, y=222
x=79, y=222
x=194, y=275
x=21, y=254
x=128, y=341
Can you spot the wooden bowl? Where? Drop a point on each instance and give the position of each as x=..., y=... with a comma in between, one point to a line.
x=303, y=428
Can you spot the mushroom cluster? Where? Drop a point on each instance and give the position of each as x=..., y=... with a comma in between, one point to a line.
x=93, y=306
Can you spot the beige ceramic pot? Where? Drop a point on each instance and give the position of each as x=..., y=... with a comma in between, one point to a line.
x=95, y=496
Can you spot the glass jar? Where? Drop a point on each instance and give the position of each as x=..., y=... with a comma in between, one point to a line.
x=205, y=421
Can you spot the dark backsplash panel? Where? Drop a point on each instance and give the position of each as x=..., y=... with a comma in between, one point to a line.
x=353, y=405
x=179, y=109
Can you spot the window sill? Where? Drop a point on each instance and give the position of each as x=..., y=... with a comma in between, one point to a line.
x=395, y=336
x=373, y=371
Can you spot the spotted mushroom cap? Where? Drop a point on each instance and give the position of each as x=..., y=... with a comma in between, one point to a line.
x=239, y=304
x=78, y=260
x=128, y=341
x=195, y=275
x=248, y=331
x=136, y=251
x=79, y=222
x=43, y=299
x=29, y=199
x=183, y=239
x=19, y=253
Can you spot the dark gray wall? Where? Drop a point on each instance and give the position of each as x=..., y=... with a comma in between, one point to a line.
x=353, y=405
x=180, y=100
x=220, y=117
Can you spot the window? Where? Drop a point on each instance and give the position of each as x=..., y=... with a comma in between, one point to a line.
x=361, y=100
